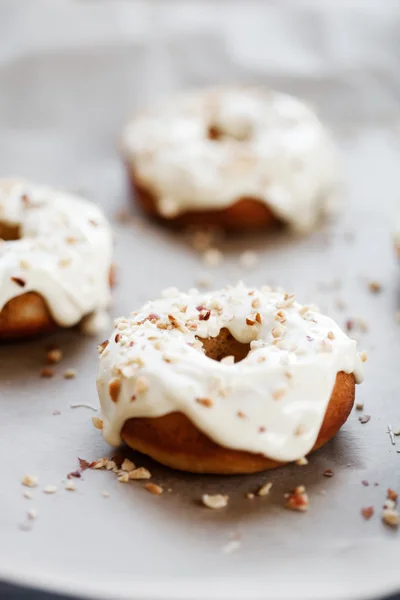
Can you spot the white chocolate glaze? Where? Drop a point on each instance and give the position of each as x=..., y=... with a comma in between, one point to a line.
x=273, y=148
x=63, y=252
x=154, y=364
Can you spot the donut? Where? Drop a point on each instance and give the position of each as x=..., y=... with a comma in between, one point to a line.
x=234, y=381
x=234, y=157
x=55, y=261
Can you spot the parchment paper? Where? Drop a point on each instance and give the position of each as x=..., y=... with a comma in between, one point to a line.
x=70, y=73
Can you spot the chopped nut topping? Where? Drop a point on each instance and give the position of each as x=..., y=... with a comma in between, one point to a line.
x=97, y=422
x=331, y=335
x=205, y=402
x=278, y=331
x=302, y=461
x=279, y=393
x=142, y=385
x=228, y=360
x=367, y=512
x=300, y=429
x=123, y=478
x=256, y=303
x=265, y=489
x=127, y=465
x=392, y=495
x=29, y=481
x=114, y=388
x=363, y=356
x=241, y=414
x=153, y=488
x=70, y=374
x=101, y=347
x=215, y=501
x=24, y=264
x=250, y=495
x=27, y=495
x=139, y=473
x=47, y=372
x=359, y=405
x=50, y=489
x=297, y=499
x=54, y=356
x=70, y=486
x=19, y=281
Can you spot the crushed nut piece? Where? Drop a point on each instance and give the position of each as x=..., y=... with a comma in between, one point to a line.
x=265, y=489
x=279, y=393
x=297, y=499
x=70, y=486
x=124, y=478
x=250, y=495
x=50, y=489
x=227, y=360
x=363, y=356
x=215, y=501
x=127, y=465
x=328, y=473
x=139, y=473
x=392, y=495
x=359, y=405
x=391, y=517
x=29, y=481
x=54, y=356
x=331, y=335
x=302, y=461
x=47, y=372
x=70, y=374
x=27, y=495
x=142, y=385
x=101, y=347
x=114, y=388
x=364, y=419
x=32, y=514
x=205, y=402
x=105, y=494
x=367, y=512
x=374, y=287
x=153, y=488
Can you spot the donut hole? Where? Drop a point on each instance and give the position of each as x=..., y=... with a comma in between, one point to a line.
x=223, y=345
x=9, y=233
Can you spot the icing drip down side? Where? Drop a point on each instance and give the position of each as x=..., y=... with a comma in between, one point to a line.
x=63, y=251
x=272, y=402
x=206, y=150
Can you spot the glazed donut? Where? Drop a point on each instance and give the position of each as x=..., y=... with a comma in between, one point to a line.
x=234, y=381
x=235, y=157
x=55, y=260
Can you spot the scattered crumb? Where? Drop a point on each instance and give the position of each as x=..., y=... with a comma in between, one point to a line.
x=50, y=489
x=302, y=461
x=215, y=501
x=127, y=465
x=56, y=412
x=367, y=512
x=54, y=356
x=340, y=304
x=29, y=481
x=391, y=517
x=27, y=495
x=204, y=281
x=359, y=405
x=328, y=473
x=140, y=473
x=264, y=489
x=231, y=546
x=97, y=422
x=374, y=287
x=248, y=259
x=105, y=494
x=363, y=356
x=392, y=495
x=213, y=257
x=153, y=488
x=123, y=478
x=297, y=499
x=365, y=483
x=70, y=374
x=47, y=372
x=70, y=486
x=364, y=419
x=250, y=495
x=32, y=514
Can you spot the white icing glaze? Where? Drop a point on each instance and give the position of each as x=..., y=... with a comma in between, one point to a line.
x=284, y=384
x=273, y=149
x=64, y=251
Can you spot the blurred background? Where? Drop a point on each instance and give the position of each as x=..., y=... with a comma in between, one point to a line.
x=72, y=71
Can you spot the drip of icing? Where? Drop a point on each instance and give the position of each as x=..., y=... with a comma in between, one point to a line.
x=63, y=252
x=154, y=365
x=270, y=147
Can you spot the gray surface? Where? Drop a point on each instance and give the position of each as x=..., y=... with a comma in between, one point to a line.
x=61, y=106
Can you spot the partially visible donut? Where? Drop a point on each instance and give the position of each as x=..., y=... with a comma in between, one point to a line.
x=55, y=260
x=236, y=157
x=167, y=388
